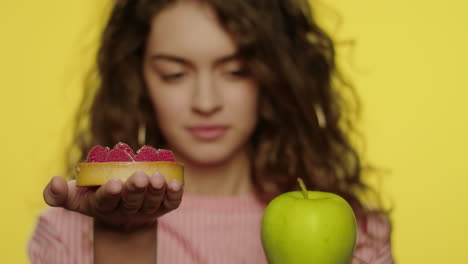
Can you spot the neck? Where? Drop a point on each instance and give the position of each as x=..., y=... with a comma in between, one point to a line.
x=229, y=178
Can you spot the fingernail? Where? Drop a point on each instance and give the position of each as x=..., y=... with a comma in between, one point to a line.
x=141, y=182
x=53, y=191
x=174, y=185
x=115, y=187
x=53, y=188
x=157, y=181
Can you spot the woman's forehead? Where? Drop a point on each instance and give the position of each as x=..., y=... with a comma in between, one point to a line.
x=189, y=29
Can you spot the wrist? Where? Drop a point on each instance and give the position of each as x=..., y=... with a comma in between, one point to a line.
x=117, y=245
x=124, y=228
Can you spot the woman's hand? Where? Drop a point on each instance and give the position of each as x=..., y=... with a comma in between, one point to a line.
x=124, y=206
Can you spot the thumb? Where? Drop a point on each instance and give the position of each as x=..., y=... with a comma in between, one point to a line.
x=56, y=192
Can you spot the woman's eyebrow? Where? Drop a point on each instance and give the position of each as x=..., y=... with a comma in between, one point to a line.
x=228, y=58
x=167, y=57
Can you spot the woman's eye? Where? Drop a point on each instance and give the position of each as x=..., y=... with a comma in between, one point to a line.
x=241, y=73
x=172, y=76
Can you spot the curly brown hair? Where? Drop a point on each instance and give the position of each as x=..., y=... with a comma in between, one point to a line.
x=305, y=123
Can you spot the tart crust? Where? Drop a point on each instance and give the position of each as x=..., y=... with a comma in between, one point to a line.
x=97, y=173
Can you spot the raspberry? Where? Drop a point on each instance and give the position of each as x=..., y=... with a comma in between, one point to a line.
x=166, y=155
x=125, y=148
x=124, y=153
x=97, y=154
x=117, y=155
x=147, y=153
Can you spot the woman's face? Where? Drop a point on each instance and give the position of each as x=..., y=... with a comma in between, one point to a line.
x=205, y=100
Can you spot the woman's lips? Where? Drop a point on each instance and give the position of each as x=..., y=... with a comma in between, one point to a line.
x=208, y=132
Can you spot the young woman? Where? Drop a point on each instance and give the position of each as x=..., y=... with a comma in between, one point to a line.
x=247, y=95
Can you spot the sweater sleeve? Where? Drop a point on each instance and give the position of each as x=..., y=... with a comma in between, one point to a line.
x=374, y=241
x=61, y=236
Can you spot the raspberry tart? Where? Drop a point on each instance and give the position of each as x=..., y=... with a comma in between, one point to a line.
x=103, y=164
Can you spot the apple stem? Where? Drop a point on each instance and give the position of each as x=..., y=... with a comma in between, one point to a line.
x=304, y=188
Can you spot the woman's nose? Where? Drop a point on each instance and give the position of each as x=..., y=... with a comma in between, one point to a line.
x=207, y=97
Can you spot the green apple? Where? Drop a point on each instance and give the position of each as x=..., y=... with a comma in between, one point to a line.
x=308, y=227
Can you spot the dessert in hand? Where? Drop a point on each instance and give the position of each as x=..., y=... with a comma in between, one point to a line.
x=121, y=162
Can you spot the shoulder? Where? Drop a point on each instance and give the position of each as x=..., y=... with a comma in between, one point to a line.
x=374, y=238
x=375, y=225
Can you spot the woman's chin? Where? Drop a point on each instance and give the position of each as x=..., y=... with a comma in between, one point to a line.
x=208, y=154
x=212, y=158
x=205, y=161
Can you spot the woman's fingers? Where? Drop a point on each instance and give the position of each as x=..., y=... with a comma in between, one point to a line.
x=154, y=194
x=174, y=192
x=107, y=198
x=134, y=193
x=56, y=192
x=139, y=199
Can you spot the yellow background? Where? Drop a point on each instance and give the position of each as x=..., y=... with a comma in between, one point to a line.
x=410, y=63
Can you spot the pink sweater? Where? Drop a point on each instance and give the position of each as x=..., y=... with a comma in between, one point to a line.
x=202, y=230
